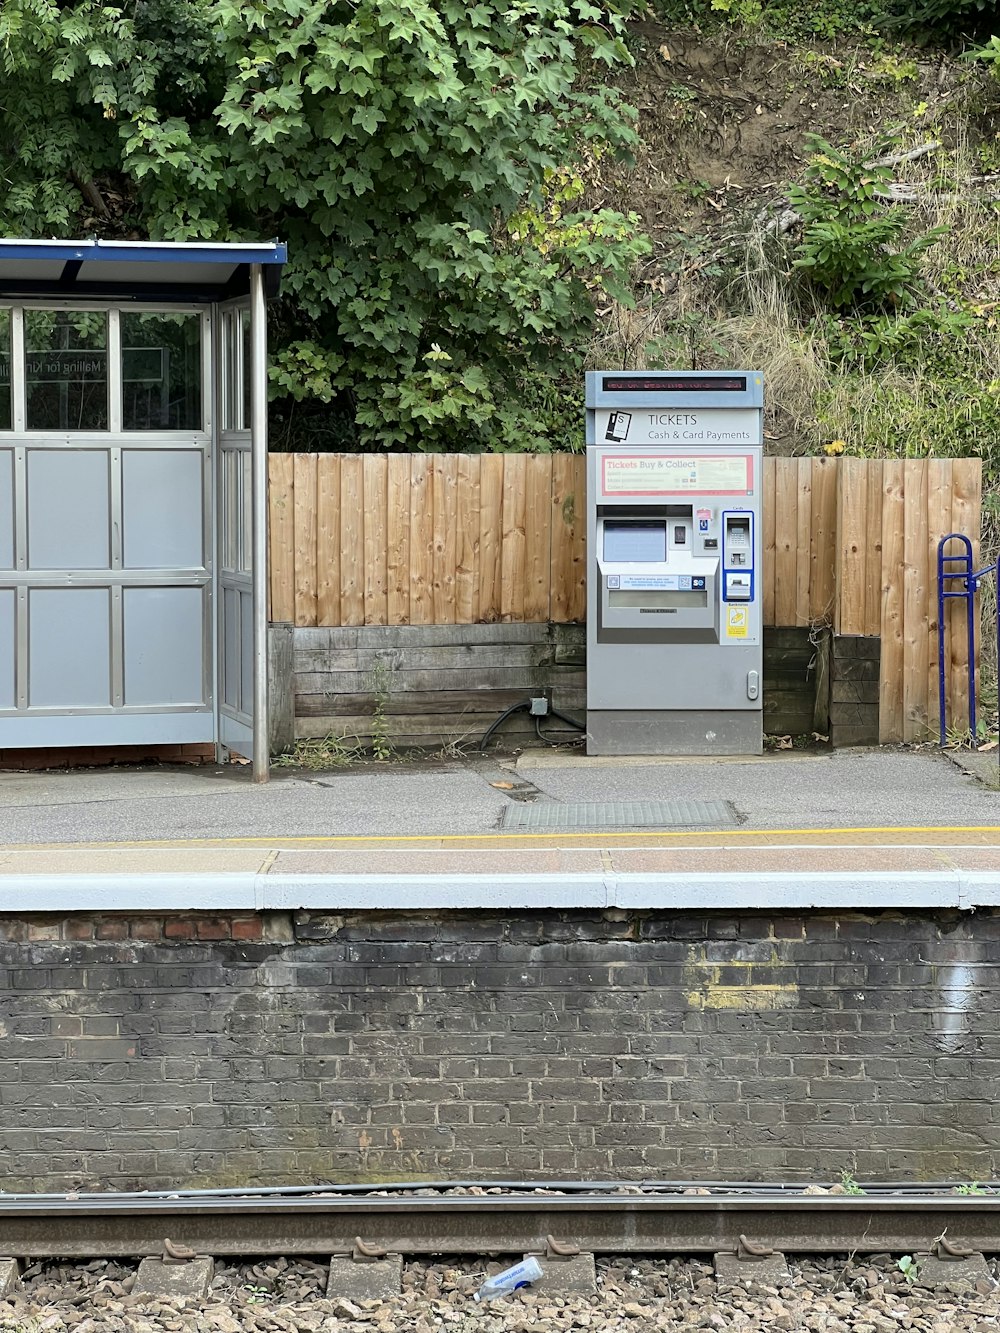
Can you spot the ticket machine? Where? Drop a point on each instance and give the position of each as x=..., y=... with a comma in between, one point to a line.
x=674, y=658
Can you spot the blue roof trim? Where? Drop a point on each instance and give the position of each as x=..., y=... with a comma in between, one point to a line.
x=146, y=252
x=137, y=270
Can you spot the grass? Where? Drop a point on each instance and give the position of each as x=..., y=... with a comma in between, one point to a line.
x=322, y=753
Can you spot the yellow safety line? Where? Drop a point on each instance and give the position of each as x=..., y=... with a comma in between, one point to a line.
x=608, y=836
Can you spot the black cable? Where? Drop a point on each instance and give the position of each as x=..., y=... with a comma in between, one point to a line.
x=570, y=721
x=526, y=703
x=508, y=712
x=554, y=740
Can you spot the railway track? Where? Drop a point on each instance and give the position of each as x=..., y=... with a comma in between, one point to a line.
x=475, y=1218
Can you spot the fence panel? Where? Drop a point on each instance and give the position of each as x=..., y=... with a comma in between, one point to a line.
x=328, y=574
x=891, y=515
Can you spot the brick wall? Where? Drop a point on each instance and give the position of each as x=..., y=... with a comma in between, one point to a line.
x=153, y=1052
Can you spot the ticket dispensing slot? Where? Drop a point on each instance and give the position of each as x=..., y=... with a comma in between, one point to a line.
x=737, y=556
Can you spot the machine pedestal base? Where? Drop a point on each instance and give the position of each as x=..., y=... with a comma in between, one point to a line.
x=621, y=731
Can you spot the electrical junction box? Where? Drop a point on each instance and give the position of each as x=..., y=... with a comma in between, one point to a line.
x=674, y=657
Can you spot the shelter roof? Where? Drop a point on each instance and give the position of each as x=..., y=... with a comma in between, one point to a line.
x=136, y=270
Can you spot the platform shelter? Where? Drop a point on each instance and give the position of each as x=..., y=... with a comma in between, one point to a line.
x=133, y=505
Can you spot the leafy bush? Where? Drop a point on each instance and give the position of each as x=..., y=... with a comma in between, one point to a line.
x=835, y=18
x=425, y=160
x=950, y=15
x=990, y=53
x=925, y=339
x=851, y=248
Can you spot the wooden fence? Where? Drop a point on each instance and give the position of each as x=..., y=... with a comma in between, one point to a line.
x=405, y=539
x=464, y=539
x=891, y=515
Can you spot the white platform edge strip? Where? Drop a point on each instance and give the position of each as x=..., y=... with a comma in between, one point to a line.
x=245, y=891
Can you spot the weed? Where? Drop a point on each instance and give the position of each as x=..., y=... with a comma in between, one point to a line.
x=460, y=746
x=852, y=247
x=692, y=189
x=849, y=1184
x=381, y=742
x=909, y=1267
x=971, y=1187
x=990, y=53
x=828, y=69
x=741, y=13
x=320, y=753
x=891, y=69
x=959, y=738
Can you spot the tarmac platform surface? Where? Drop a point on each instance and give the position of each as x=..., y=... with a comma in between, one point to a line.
x=868, y=825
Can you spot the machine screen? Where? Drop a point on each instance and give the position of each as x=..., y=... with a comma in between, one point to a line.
x=631, y=540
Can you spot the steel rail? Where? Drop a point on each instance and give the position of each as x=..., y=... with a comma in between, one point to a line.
x=410, y=1187
x=107, y=1226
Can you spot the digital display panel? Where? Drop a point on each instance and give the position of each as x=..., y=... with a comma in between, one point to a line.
x=674, y=384
x=626, y=540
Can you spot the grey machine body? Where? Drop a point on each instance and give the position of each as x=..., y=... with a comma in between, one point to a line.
x=674, y=626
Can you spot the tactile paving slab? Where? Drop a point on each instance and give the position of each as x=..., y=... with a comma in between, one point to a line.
x=618, y=815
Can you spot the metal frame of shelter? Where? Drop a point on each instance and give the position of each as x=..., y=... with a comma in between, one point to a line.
x=133, y=494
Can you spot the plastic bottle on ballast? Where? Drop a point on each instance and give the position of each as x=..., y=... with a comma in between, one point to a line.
x=502, y=1284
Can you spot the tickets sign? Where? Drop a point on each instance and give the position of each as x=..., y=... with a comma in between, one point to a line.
x=692, y=426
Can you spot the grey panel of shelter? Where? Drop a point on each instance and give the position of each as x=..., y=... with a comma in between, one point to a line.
x=68, y=509
x=6, y=509
x=164, y=646
x=7, y=611
x=162, y=508
x=231, y=648
x=69, y=647
x=246, y=655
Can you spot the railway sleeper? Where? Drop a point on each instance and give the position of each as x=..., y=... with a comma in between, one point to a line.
x=10, y=1275
x=753, y=1262
x=356, y=1278
x=179, y=1271
x=951, y=1267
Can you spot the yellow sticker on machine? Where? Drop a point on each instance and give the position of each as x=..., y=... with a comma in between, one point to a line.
x=739, y=622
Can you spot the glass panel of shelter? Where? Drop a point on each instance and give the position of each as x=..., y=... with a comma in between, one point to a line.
x=66, y=370
x=161, y=370
x=6, y=409
x=64, y=364
x=237, y=493
x=236, y=369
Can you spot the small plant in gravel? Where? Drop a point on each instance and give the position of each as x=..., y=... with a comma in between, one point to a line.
x=909, y=1267
x=970, y=1187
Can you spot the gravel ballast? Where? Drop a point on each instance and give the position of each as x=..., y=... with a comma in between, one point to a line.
x=279, y=1296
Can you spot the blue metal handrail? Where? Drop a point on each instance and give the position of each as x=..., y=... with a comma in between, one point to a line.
x=958, y=568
